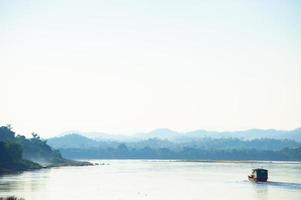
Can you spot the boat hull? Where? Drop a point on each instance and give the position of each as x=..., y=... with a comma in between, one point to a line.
x=257, y=180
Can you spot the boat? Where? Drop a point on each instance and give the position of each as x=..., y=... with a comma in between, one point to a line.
x=258, y=175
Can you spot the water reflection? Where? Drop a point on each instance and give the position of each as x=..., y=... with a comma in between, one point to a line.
x=261, y=192
x=285, y=185
x=22, y=182
x=262, y=189
x=273, y=184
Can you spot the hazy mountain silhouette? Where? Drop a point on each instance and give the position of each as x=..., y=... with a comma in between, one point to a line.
x=162, y=133
x=249, y=134
x=98, y=136
x=167, y=134
x=72, y=141
x=81, y=147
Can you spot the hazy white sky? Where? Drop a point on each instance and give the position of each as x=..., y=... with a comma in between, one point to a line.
x=133, y=65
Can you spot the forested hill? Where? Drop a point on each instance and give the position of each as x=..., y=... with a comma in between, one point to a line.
x=11, y=158
x=77, y=146
x=18, y=153
x=11, y=153
x=81, y=142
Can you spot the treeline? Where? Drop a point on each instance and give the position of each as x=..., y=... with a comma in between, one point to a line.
x=218, y=144
x=76, y=141
x=187, y=153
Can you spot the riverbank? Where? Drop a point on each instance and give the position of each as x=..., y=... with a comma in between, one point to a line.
x=27, y=165
x=18, y=166
x=70, y=163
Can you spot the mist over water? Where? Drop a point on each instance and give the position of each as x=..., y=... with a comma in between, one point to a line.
x=156, y=180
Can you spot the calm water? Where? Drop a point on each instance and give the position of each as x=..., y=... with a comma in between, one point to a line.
x=140, y=179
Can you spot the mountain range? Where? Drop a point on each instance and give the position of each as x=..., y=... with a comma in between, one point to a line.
x=254, y=144
x=174, y=136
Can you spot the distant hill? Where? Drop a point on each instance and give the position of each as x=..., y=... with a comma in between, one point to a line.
x=167, y=144
x=163, y=134
x=167, y=134
x=249, y=134
x=78, y=141
x=72, y=141
x=98, y=136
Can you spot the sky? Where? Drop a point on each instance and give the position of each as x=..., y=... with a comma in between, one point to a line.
x=127, y=66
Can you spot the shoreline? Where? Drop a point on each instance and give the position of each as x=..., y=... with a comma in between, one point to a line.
x=69, y=163
x=242, y=161
x=193, y=160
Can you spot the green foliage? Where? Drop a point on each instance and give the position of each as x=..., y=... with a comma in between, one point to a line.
x=10, y=152
x=11, y=158
x=6, y=133
x=18, y=153
x=34, y=149
x=37, y=150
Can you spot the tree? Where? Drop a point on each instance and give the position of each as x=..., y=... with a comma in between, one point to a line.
x=35, y=136
x=6, y=133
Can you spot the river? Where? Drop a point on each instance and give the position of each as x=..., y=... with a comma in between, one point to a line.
x=156, y=180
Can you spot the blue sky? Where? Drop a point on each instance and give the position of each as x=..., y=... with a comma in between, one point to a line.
x=131, y=66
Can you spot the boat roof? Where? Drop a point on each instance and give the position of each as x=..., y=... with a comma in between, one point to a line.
x=260, y=169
